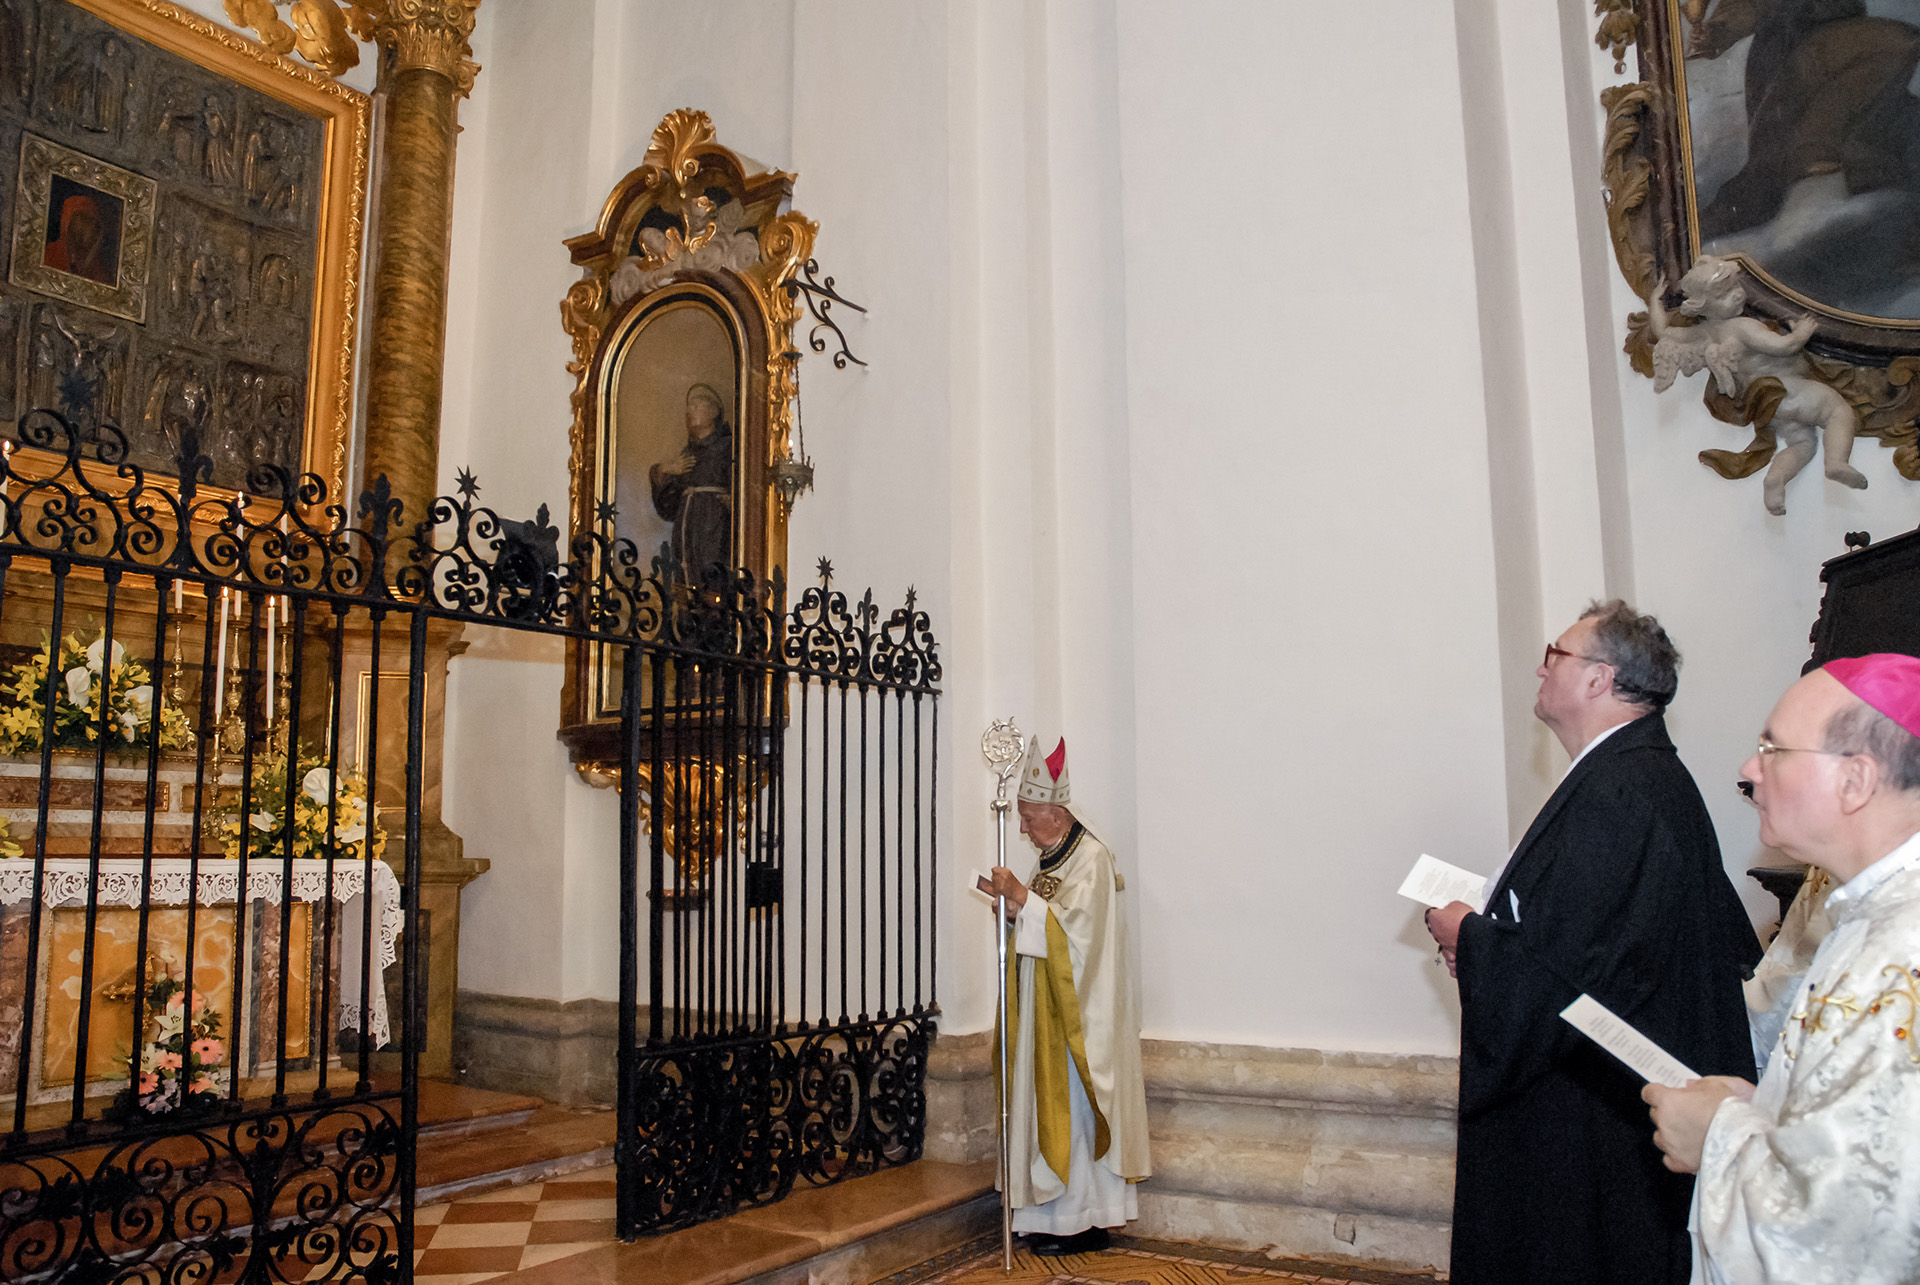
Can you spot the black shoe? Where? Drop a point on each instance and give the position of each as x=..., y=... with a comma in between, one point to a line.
x=1090, y=1241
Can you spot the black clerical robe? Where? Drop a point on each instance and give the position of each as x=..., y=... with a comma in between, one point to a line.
x=1620, y=894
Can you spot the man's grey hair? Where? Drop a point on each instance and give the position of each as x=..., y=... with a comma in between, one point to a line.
x=1861, y=729
x=1646, y=664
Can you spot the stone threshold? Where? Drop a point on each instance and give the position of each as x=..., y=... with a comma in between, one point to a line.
x=858, y=1230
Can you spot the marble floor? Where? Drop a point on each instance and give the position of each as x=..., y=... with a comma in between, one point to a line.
x=490, y=1236
x=1134, y=1262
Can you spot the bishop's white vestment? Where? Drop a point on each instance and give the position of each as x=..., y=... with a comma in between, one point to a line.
x=1077, y=1126
x=1817, y=1180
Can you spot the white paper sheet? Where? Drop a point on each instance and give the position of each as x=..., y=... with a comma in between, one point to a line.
x=1432, y=882
x=974, y=879
x=1601, y=1025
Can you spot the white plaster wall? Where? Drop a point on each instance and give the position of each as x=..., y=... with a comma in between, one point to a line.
x=1248, y=409
x=1317, y=682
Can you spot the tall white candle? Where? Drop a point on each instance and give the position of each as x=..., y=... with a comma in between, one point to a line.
x=179, y=590
x=273, y=675
x=220, y=663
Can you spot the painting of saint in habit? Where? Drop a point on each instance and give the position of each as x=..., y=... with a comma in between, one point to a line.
x=1804, y=132
x=83, y=231
x=694, y=490
x=674, y=455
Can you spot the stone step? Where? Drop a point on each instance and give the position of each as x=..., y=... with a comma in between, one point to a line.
x=858, y=1230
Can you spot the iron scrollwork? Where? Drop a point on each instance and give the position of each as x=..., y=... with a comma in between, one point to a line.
x=722, y=1127
x=821, y=296
x=306, y=1196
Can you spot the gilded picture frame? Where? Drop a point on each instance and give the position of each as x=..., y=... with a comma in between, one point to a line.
x=681, y=326
x=83, y=229
x=1733, y=142
x=236, y=307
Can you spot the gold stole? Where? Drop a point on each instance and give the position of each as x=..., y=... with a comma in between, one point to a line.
x=1056, y=1025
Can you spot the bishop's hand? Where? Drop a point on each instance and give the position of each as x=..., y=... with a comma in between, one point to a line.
x=1681, y=1117
x=1002, y=882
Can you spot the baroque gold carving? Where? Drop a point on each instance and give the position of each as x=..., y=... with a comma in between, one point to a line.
x=429, y=35
x=683, y=163
x=691, y=810
x=1642, y=187
x=426, y=35
x=1626, y=180
x=1619, y=29
x=693, y=220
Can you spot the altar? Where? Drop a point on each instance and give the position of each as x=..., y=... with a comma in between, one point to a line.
x=323, y=959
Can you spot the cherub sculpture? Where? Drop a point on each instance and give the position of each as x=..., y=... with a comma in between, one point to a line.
x=1737, y=351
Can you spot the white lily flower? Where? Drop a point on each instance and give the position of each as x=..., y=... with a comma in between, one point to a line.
x=79, y=686
x=353, y=834
x=264, y=820
x=140, y=701
x=96, y=647
x=314, y=785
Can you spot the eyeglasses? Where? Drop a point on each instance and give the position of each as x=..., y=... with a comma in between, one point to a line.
x=1766, y=749
x=1546, y=661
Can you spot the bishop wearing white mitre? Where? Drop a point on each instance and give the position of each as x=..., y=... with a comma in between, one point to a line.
x=1077, y=1130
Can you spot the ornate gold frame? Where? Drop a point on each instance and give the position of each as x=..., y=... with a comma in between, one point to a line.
x=1874, y=364
x=348, y=115
x=677, y=182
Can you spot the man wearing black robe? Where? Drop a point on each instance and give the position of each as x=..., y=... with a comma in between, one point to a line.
x=1616, y=891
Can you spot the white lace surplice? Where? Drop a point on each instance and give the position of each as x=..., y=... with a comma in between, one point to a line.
x=1817, y=1180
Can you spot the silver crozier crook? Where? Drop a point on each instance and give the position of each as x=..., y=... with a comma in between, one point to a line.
x=1003, y=746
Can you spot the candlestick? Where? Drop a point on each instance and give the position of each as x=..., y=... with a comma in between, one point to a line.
x=179, y=596
x=273, y=677
x=220, y=664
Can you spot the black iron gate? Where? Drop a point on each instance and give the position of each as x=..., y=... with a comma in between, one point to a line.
x=788, y=924
x=196, y=921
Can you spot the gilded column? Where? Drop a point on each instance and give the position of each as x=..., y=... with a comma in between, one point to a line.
x=427, y=66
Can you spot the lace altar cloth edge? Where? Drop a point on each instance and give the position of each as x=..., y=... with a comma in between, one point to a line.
x=64, y=883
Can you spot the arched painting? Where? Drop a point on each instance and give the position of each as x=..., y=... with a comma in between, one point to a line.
x=673, y=436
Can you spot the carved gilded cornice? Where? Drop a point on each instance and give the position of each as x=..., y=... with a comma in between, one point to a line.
x=424, y=35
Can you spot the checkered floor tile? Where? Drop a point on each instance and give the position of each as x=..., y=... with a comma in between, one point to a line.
x=479, y=1238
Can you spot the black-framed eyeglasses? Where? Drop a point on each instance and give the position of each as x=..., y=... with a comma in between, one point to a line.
x=1546, y=661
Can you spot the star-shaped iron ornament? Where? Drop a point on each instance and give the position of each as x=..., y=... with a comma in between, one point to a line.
x=468, y=485
x=826, y=571
x=605, y=513
x=913, y=596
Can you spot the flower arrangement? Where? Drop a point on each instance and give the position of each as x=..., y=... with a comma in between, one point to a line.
x=124, y=684
x=180, y=1066
x=8, y=848
x=266, y=825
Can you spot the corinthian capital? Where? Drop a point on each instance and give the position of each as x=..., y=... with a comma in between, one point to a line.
x=428, y=35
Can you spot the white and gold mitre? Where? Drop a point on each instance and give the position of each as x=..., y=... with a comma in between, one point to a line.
x=1045, y=780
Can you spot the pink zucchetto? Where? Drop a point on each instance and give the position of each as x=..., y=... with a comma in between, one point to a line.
x=1888, y=681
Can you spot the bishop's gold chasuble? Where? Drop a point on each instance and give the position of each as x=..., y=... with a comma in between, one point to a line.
x=1075, y=1013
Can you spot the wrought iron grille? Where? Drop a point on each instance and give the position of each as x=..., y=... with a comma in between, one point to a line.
x=790, y=923
x=224, y=794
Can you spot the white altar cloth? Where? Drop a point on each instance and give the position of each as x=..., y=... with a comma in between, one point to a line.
x=64, y=883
